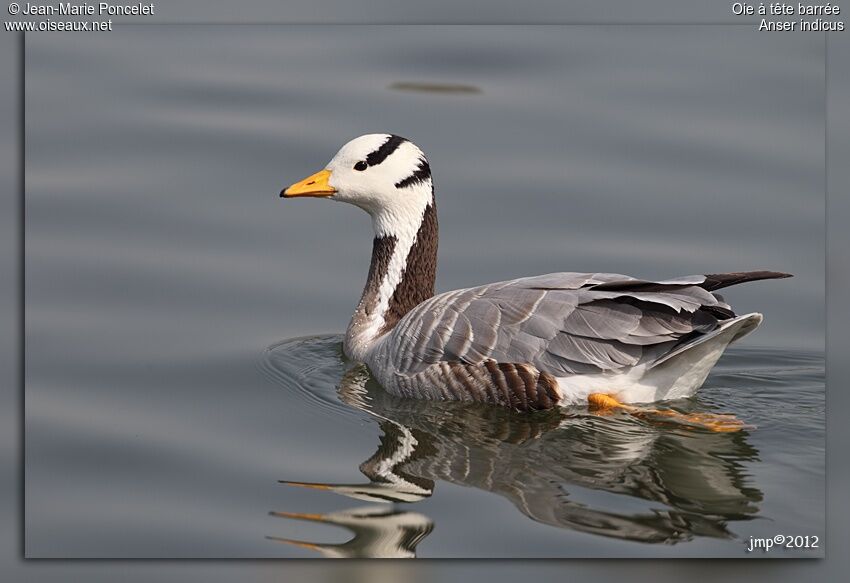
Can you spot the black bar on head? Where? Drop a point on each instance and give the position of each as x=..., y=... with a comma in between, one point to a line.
x=387, y=148
x=421, y=174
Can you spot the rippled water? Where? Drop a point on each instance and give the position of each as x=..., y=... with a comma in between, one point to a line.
x=161, y=266
x=616, y=476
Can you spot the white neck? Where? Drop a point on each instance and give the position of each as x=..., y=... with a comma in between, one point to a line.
x=396, y=231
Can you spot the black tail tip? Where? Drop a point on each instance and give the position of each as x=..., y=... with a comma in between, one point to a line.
x=715, y=281
x=767, y=275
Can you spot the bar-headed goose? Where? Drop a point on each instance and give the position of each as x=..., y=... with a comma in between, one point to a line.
x=529, y=343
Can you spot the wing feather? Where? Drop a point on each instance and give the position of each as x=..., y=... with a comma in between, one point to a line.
x=562, y=323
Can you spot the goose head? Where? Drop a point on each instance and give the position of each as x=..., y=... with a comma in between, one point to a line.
x=388, y=177
x=383, y=174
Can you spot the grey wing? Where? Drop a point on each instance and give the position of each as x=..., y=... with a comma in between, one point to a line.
x=562, y=323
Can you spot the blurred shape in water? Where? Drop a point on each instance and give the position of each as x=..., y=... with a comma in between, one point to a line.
x=447, y=88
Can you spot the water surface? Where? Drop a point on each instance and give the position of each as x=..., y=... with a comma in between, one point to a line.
x=161, y=266
x=651, y=480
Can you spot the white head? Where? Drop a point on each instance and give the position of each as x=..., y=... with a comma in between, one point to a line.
x=385, y=175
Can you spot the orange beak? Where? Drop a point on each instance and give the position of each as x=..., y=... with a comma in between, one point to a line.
x=315, y=185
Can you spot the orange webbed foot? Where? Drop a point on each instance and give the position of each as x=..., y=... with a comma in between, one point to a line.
x=603, y=404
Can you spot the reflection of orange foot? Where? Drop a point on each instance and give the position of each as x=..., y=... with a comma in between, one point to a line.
x=605, y=404
x=721, y=423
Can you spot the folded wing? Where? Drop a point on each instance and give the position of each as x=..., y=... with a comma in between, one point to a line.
x=562, y=323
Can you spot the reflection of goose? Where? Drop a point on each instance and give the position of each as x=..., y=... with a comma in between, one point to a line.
x=529, y=343
x=558, y=469
x=379, y=532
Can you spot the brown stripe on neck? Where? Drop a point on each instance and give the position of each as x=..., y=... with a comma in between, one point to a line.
x=417, y=281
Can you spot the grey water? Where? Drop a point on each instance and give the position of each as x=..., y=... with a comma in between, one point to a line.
x=186, y=395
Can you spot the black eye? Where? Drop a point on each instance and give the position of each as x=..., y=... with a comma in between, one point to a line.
x=361, y=166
